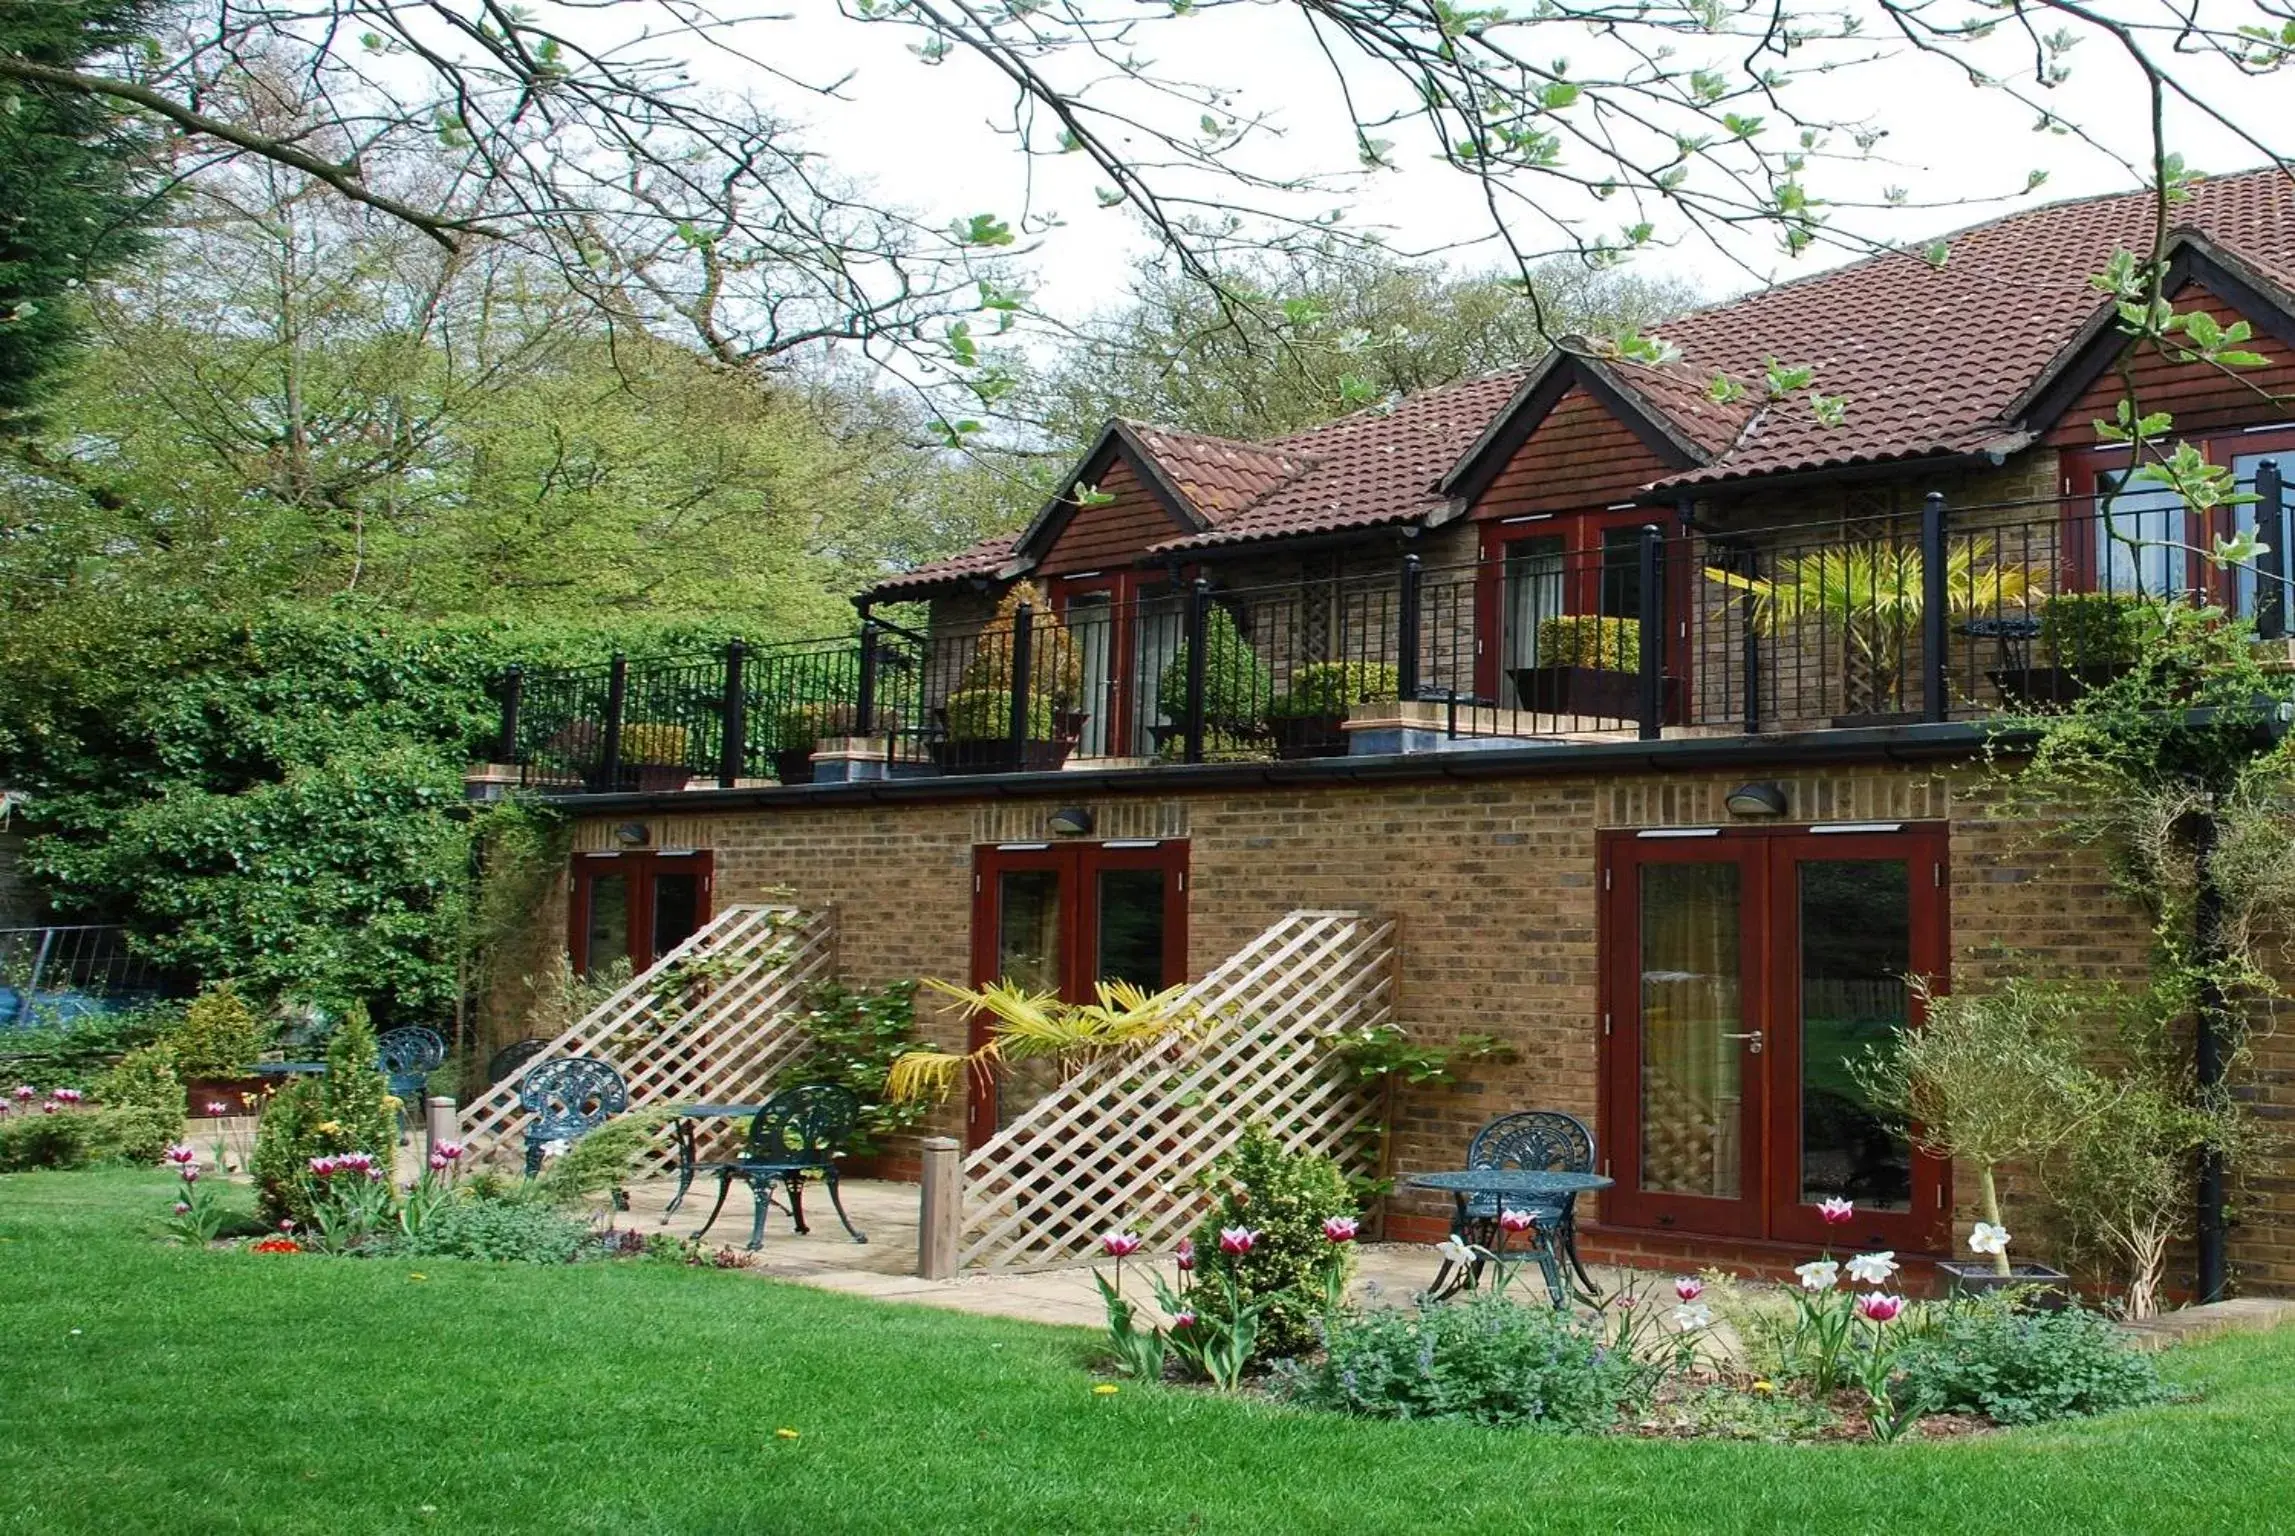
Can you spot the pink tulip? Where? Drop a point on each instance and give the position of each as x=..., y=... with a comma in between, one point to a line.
x=1688, y=1289
x=438, y=1164
x=1120, y=1245
x=287, y=1224
x=190, y=1172
x=65, y=1095
x=450, y=1150
x=182, y=1208
x=1516, y=1222
x=1879, y=1306
x=1184, y=1320
x=1626, y=1300
x=180, y=1155
x=218, y=1107
x=1236, y=1241
x=325, y=1167
x=1184, y=1255
x=1836, y=1210
x=50, y=1107
x=26, y=1091
x=1340, y=1229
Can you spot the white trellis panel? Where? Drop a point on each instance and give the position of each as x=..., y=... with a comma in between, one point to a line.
x=711, y=1021
x=1121, y=1141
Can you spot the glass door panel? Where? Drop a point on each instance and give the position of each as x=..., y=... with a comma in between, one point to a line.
x=1855, y=952
x=606, y=932
x=1131, y=921
x=1091, y=627
x=635, y=907
x=1161, y=628
x=2142, y=538
x=1533, y=594
x=1692, y=1021
x=1028, y=948
x=676, y=910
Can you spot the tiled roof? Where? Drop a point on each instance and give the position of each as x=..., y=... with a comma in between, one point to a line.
x=1219, y=475
x=1930, y=359
x=985, y=558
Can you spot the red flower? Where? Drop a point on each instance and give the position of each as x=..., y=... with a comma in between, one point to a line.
x=1688, y=1289
x=277, y=1245
x=1236, y=1241
x=1340, y=1229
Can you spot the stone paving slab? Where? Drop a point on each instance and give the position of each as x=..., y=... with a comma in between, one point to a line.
x=2244, y=1314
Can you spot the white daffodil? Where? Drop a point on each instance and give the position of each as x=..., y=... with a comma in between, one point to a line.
x=1455, y=1250
x=1692, y=1315
x=1873, y=1268
x=1818, y=1274
x=555, y=1148
x=1988, y=1238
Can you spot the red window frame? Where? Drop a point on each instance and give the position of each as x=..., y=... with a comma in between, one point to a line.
x=2077, y=512
x=1581, y=533
x=1769, y=970
x=1078, y=865
x=640, y=866
x=1125, y=590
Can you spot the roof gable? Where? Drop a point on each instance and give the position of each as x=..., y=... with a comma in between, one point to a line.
x=1685, y=431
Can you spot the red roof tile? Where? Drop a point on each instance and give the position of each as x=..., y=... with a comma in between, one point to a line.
x=1219, y=475
x=985, y=558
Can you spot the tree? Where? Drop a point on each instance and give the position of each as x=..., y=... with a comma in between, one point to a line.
x=71, y=166
x=1327, y=332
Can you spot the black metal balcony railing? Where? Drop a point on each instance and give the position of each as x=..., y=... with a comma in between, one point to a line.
x=1948, y=613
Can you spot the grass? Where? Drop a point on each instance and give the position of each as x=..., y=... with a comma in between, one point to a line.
x=148, y=1387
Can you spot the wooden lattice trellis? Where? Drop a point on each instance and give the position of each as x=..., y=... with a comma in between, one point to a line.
x=711, y=1021
x=1119, y=1143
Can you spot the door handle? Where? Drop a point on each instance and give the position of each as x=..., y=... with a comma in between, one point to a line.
x=1753, y=1035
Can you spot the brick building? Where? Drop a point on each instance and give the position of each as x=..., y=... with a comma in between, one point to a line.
x=1540, y=668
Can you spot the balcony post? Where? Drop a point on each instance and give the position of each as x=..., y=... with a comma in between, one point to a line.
x=733, y=753
x=1653, y=632
x=1749, y=644
x=1935, y=704
x=617, y=695
x=513, y=688
x=865, y=693
x=1198, y=664
x=1023, y=641
x=1407, y=637
x=2272, y=567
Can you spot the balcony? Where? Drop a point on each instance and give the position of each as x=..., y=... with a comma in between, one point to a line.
x=1947, y=614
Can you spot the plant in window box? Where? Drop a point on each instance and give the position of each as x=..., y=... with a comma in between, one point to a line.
x=799, y=730
x=2086, y=639
x=1306, y=720
x=1870, y=598
x=657, y=752
x=1236, y=689
x=1589, y=665
x=976, y=719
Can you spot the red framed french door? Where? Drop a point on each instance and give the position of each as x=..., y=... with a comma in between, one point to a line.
x=1060, y=918
x=1745, y=971
x=636, y=906
x=2147, y=542
x=1124, y=627
x=1543, y=566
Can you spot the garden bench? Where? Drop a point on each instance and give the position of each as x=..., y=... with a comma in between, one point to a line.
x=568, y=1098
x=799, y=1131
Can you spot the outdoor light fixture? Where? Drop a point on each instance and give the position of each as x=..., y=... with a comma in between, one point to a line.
x=1075, y=821
x=634, y=834
x=1756, y=800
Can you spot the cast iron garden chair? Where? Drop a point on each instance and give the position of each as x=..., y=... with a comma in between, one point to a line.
x=407, y=1056
x=1540, y=1141
x=568, y=1098
x=800, y=1131
x=506, y=1062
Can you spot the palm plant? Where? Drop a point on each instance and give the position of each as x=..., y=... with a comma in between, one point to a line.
x=1873, y=595
x=1039, y=1026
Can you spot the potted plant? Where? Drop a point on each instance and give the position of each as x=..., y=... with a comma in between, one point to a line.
x=1872, y=596
x=2087, y=639
x=798, y=732
x=1988, y=1078
x=1589, y=665
x=1306, y=720
x=976, y=719
x=213, y=1050
x=656, y=751
x=1236, y=689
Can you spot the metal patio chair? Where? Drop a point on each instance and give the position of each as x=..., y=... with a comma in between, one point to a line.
x=1541, y=1140
x=407, y=1056
x=800, y=1131
x=568, y=1098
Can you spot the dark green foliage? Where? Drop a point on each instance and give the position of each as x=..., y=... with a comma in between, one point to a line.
x=1236, y=685
x=78, y=1054
x=2094, y=629
x=857, y=1035
x=69, y=164
x=1334, y=687
x=1284, y=1197
x=218, y=1036
x=985, y=714
x=1590, y=640
x=2018, y=1367
x=144, y=1079
x=519, y=1229
x=344, y=1111
x=1482, y=1358
x=97, y=1134
x=604, y=1160
x=354, y=1092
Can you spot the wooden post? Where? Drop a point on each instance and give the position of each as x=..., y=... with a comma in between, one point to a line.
x=1935, y=702
x=940, y=1209
x=440, y=1122
x=733, y=751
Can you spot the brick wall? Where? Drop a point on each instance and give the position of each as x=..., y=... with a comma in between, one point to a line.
x=1495, y=887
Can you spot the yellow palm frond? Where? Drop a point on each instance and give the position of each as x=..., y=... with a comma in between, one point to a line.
x=1878, y=582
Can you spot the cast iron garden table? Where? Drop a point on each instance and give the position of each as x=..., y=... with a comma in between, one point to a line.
x=1511, y=1186
x=684, y=1130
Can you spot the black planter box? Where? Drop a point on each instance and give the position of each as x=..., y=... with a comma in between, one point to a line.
x=2048, y=1290
x=1596, y=693
x=1299, y=736
x=997, y=755
x=2055, y=685
x=794, y=766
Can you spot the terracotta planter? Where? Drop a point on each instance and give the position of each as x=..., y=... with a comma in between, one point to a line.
x=1299, y=736
x=2051, y=1288
x=1595, y=693
x=240, y=1095
x=2029, y=686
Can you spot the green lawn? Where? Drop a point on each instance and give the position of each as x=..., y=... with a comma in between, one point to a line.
x=147, y=1389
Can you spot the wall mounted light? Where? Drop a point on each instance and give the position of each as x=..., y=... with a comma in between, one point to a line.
x=1756, y=800
x=1074, y=821
x=633, y=834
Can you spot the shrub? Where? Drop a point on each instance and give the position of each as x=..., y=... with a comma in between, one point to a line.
x=985, y=714
x=647, y=741
x=2094, y=629
x=1590, y=640
x=356, y=1093
x=1055, y=669
x=348, y=1110
x=603, y=1160
x=2017, y=1367
x=801, y=726
x=144, y=1079
x=857, y=1036
x=218, y=1037
x=74, y=1138
x=518, y=1228
x=78, y=1053
x=1284, y=1198
x=1334, y=687
x=1236, y=686
x=1481, y=1358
